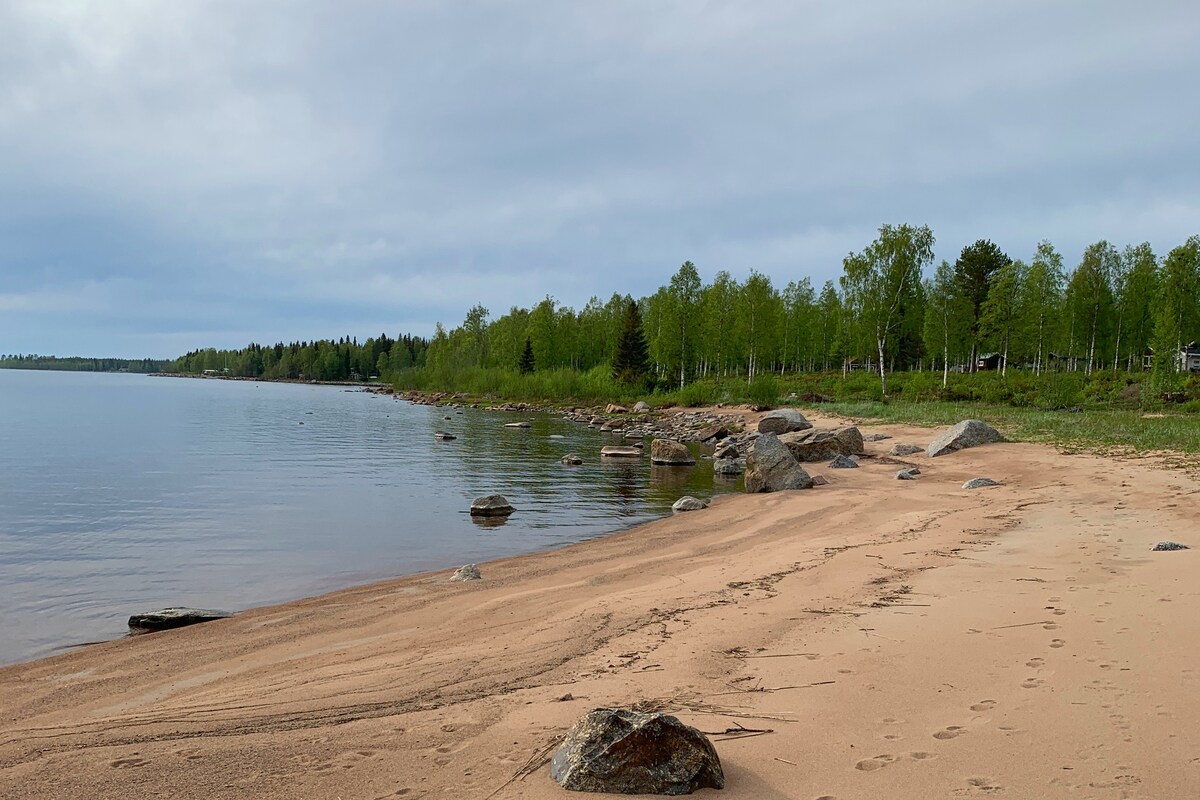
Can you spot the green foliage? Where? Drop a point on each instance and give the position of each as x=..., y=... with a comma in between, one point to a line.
x=764, y=391
x=528, y=362
x=82, y=364
x=631, y=361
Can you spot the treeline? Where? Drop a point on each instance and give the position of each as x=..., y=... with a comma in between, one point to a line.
x=81, y=364
x=891, y=310
x=324, y=360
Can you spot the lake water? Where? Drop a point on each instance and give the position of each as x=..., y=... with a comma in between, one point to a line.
x=124, y=493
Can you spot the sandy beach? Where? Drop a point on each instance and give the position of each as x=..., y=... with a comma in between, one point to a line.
x=902, y=639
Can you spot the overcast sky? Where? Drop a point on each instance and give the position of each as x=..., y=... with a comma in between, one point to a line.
x=180, y=174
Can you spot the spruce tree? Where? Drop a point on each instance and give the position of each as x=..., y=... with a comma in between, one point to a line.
x=526, y=364
x=631, y=361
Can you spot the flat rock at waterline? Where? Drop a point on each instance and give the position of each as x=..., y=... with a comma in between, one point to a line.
x=771, y=467
x=518, y=425
x=689, y=503
x=618, y=751
x=492, y=505
x=467, y=572
x=177, y=617
x=968, y=433
x=669, y=453
x=620, y=452
x=729, y=466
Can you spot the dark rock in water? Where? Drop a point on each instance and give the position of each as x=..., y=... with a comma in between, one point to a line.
x=167, y=618
x=968, y=433
x=905, y=449
x=909, y=474
x=771, y=467
x=492, y=505
x=619, y=751
x=979, y=483
x=729, y=466
x=620, y=452
x=571, y=459
x=1161, y=546
x=689, y=503
x=843, y=462
x=784, y=420
x=518, y=425
x=823, y=444
x=728, y=450
x=667, y=452
x=443, y=436
x=467, y=572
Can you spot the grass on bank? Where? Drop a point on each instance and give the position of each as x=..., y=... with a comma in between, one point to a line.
x=1109, y=411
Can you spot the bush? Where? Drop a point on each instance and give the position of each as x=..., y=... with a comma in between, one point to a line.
x=764, y=390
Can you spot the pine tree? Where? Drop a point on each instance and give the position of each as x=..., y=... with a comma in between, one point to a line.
x=631, y=361
x=527, y=364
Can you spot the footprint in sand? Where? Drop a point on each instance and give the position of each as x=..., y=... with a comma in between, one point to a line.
x=984, y=705
x=1032, y=683
x=126, y=763
x=872, y=764
x=950, y=732
x=921, y=755
x=1050, y=626
x=1057, y=643
x=983, y=784
x=1035, y=662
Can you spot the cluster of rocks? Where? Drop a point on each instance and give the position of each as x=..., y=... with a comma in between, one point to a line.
x=641, y=423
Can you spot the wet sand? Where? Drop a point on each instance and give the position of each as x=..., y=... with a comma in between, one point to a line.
x=903, y=639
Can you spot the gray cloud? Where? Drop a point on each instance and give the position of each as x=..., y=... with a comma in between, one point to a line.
x=180, y=174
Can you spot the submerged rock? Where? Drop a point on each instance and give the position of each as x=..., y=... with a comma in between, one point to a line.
x=492, y=505
x=518, y=425
x=614, y=451
x=688, y=503
x=443, y=436
x=467, y=572
x=177, y=617
x=667, y=452
x=783, y=420
x=979, y=483
x=1169, y=545
x=771, y=467
x=968, y=433
x=619, y=751
x=571, y=459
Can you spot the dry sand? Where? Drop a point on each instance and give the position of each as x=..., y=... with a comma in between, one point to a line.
x=898, y=639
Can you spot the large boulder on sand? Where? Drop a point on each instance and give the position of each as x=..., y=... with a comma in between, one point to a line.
x=492, y=505
x=618, y=751
x=824, y=444
x=783, y=420
x=771, y=467
x=665, y=451
x=167, y=618
x=968, y=433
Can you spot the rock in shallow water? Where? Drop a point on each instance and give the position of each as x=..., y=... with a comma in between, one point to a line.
x=669, y=453
x=167, y=618
x=492, y=505
x=625, y=752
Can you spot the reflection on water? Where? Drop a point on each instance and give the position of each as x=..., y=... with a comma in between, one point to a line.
x=120, y=493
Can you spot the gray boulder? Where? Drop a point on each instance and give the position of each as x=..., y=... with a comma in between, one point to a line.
x=492, y=505
x=727, y=450
x=729, y=466
x=176, y=617
x=783, y=420
x=675, y=454
x=619, y=751
x=909, y=474
x=468, y=572
x=843, y=462
x=979, y=483
x=688, y=503
x=641, y=407
x=443, y=436
x=968, y=433
x=876, y=437
x=820, y=445
x=905, y=449
x=771, y=467
x=1168, y=545
x=571, y=459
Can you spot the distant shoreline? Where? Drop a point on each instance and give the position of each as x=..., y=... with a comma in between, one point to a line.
x=267, y=380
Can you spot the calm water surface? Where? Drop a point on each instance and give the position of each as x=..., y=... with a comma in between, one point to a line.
x=122, y=493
